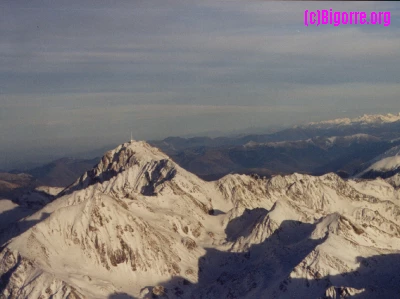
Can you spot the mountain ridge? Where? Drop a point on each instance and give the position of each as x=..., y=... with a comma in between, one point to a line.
x=239, y=236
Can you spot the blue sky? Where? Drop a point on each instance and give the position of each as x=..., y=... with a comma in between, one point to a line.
x=77, y=75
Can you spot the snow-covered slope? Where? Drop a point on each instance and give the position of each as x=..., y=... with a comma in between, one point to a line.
x=140, y=225
x=385, y=165
x=11, y=212
x=23, y=205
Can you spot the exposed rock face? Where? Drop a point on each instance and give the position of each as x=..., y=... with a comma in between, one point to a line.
x=139, y=225
x=43, y=285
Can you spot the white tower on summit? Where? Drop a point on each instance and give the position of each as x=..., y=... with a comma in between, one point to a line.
x=131, y=137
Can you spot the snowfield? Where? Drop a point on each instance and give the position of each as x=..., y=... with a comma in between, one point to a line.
x=139, y=226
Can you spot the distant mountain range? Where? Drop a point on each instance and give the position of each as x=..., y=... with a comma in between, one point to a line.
x=342, y=146
x=61, y=172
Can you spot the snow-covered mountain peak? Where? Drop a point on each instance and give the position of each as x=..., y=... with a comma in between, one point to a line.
x=137, y=161
x=366, y=119
x=336, y=223
x=129, y=154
